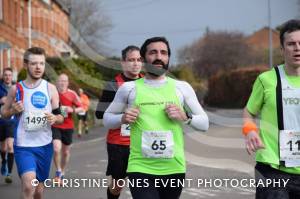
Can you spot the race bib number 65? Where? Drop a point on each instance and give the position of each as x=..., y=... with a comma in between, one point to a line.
x=157, y=144
x=34, y=120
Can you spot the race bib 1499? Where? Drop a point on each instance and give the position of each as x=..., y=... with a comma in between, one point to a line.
x=34, y=120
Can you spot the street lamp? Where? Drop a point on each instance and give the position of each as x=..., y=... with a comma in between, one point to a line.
x=270, y=36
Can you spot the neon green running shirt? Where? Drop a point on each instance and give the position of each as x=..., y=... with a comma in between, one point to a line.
x=263, y=101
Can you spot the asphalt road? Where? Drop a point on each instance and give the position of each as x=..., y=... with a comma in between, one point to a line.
x=217, y=164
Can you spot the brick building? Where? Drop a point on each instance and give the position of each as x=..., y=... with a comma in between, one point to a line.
x=27, y=23
x=260, y=39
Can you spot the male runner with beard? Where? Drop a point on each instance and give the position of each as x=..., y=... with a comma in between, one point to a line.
x=156, y=107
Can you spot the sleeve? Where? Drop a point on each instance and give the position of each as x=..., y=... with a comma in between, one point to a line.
x=106, y=98
x=3, y=92
x=191, y=104
x=87, y=100
x=113, y=114
x=255, y=101
x=76, y=101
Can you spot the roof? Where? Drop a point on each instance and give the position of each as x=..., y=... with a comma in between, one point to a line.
x=260, y=39
x=63, y=6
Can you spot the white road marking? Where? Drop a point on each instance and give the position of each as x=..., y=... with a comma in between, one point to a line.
x=206, y=139
x=88, y=141
x=227, y=164
x=91, y=165
x=96, y=172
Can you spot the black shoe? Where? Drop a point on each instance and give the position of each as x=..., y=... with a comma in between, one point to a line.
x=8, y=179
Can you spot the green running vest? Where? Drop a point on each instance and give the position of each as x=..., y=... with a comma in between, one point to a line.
x=151, y=102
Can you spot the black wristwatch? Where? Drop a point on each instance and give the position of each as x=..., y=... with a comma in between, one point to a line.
x=189, y=116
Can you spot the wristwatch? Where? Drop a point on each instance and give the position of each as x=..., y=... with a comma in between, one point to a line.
x=189, y=116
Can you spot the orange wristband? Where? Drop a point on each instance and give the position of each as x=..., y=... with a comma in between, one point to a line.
x=248, y=127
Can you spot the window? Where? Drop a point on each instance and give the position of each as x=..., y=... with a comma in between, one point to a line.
x=14, y=17
x=1, y=10
x=44, y=17
x=8, y=51
x=52, y=21
x=1, y=61
x=21, y=18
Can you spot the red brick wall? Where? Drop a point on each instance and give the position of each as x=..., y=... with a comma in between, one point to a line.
x=47, y=21
x=9, y=34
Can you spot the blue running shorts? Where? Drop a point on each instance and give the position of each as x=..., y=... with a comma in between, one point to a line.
x=36, y=159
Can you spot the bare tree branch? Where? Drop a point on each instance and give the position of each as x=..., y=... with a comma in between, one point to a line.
x=217, y=50
x=90, y=23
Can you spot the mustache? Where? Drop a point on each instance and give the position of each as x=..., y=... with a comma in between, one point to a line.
x=158, y=61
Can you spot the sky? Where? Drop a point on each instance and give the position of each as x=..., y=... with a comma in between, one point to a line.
x=184, y=21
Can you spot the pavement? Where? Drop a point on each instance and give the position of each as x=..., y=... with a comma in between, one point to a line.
x=217, y=164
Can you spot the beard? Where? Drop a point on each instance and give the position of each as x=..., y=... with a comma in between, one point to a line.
x=155, y=70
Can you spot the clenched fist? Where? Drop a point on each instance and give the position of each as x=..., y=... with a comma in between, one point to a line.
x=130, y=115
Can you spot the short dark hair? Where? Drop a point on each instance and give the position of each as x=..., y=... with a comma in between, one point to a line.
x=127, y=49
x=33, y=51
x=289, y=26
x=152, y=40
x=7, y=69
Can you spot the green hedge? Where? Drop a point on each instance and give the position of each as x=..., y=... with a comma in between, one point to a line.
x=187, y=74
x=231, y=89
x=83, y=73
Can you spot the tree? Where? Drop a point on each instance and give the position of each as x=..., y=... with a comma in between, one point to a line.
x=217, y=50
x=185, y=73
x=89, y=25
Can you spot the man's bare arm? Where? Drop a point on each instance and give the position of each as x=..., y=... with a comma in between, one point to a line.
x=54, y=119
x=11, y=107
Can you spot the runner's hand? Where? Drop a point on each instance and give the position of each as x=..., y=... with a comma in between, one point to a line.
x=253, y=142
x=3, y=100
x=17, y=107
x=69, y=109
x=130, y=115
x=50, y=118
x=175, y=113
